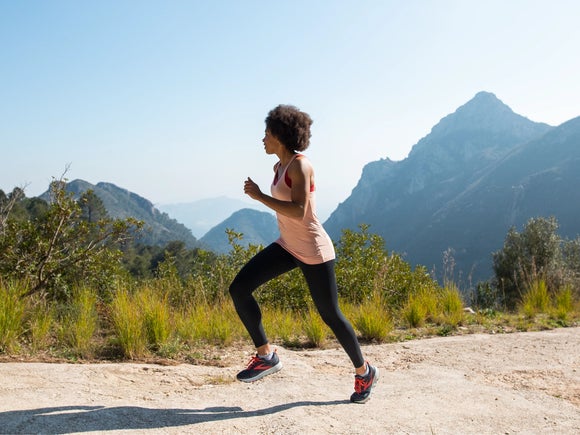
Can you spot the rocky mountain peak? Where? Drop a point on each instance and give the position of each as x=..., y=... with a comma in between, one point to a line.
x=456, y=187
x=483, y=125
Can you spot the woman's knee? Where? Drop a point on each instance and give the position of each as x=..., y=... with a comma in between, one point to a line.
x=332, y=317
x=240, y=288
x=235, y=289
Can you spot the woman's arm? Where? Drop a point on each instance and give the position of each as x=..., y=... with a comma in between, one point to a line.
x=300, y=172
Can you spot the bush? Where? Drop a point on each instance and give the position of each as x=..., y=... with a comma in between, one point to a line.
x=361, y=258
x=525, y=257
x=282, y=325
x=486, y=296
x=364, y=267
x=60, y=247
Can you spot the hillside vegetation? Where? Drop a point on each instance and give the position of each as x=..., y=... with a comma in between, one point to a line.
x=75, y=284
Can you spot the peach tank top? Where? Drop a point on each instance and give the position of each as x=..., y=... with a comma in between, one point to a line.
x=305, y=238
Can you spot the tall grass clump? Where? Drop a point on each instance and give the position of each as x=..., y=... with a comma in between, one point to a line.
x=185, y=325
x=420, y=307
x=11, y=315
x=536, y=299
x=80, y=321
x=414, y=312
x=126, y=318
x=314, y=328
x=156, y=317
x=212, y=324
x=40, y=322
x=373, y=320
x=563, y=304
x=451, y=305
x=282, y=324
x=219, y=328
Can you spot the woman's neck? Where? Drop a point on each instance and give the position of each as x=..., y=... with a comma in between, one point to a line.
x=286, y=157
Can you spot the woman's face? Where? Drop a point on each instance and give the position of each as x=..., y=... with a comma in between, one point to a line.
x=271, y=143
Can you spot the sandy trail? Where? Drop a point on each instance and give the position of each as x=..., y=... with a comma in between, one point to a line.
x=518, y=383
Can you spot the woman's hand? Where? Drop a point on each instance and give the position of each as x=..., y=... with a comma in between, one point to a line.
x=252, y=189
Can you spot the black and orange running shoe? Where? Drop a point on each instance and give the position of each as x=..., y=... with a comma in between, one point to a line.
x=260, y=367
x=364, y=384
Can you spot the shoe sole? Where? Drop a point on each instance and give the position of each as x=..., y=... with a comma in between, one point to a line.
x=263, y=373
x=370, y=389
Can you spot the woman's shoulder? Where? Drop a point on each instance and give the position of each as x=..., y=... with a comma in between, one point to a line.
x=300, y=163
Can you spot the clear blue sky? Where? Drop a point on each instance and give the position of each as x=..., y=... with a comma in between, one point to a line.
x=167, y=98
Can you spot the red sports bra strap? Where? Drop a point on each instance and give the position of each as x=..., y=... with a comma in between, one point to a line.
x=288, y=180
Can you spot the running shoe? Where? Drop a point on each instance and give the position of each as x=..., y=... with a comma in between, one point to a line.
x=364, y=384
x=259, y=367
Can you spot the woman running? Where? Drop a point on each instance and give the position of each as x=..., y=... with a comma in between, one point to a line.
x=303, y=243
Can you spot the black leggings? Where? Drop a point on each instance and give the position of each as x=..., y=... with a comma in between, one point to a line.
x=275, y=260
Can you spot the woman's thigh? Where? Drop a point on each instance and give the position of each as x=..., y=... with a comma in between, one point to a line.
x=267, y=264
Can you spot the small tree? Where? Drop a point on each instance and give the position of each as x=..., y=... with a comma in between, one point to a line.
x=92, y=208
x=60, y=247
x=534, y=253
x=361, y=256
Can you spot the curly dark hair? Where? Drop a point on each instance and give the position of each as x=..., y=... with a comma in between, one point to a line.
x=290, y=126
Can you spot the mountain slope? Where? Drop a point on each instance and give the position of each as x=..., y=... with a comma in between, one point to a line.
x=200, y=216
x=257, y=227
x=434, y=199
x=540, y=178
x=121, y=203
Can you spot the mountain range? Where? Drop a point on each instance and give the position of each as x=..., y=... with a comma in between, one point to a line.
x=480, y=171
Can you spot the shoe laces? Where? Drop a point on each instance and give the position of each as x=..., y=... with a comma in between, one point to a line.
x=255, y=360
x=361, y=383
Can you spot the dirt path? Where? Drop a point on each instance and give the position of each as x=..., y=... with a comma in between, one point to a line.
x=475, y=384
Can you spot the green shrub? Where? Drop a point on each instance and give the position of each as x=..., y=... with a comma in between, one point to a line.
x=285, y=292
x=361, y=258
x=534, y=254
